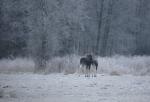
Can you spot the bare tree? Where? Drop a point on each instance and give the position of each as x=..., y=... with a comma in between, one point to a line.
x=105, y=35
x=99, y=17
x=41, y=31
x=141, y=14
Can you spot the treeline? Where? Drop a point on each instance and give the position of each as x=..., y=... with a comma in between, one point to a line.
x=43, y=29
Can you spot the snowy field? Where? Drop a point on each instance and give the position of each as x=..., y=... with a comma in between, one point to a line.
x=72, y=88
x=120, y=79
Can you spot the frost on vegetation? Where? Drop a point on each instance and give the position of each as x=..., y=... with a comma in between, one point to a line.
x=116, y=65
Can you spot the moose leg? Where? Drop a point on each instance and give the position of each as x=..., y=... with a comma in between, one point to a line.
x=89, y=70
x=79, y=69
x=95, y=71
x=86, y=69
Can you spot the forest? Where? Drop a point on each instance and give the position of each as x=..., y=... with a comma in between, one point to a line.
x=44, y=29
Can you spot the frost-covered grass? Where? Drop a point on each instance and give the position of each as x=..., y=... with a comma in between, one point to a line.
x=116, y=65
x=67, y=65
x=16, y=65
x=136, y=65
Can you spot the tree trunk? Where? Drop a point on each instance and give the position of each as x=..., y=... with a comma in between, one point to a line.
x=99, y=16
x=105, y=35
x=41, y=53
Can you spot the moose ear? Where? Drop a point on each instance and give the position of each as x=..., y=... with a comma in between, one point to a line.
x=89, y=56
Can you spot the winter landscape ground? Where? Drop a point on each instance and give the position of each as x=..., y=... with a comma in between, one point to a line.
x=72, y=88
x=119, y=79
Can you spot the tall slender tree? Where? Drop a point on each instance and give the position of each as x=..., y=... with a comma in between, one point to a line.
x=107, y=27
x=99, y=20
x=141, y=14
x=40, y=35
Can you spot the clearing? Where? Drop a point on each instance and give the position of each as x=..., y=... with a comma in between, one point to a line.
x=72, y=88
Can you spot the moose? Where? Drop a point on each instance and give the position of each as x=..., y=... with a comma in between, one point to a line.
x=87, y=62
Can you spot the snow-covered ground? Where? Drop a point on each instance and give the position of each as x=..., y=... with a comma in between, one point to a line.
x=72, y=88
